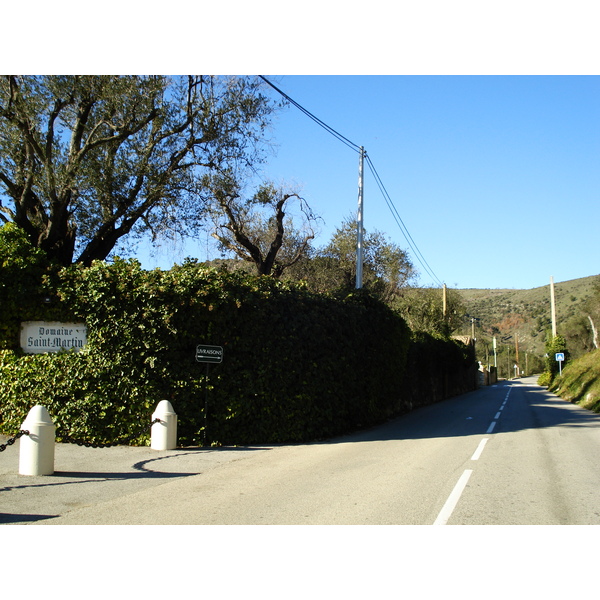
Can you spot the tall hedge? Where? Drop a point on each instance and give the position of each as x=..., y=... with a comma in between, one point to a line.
x=26, y=283
x=437, y=369
x=296, y=367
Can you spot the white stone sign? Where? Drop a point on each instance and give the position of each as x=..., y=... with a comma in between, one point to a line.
x=50, y=336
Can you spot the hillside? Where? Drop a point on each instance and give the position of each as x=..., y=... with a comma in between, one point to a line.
x=580, y=382
x=524, y=316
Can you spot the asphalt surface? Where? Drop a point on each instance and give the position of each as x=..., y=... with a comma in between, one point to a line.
x=506, y=454
x=87, y=477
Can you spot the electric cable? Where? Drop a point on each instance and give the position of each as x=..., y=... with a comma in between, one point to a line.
x=386, y=196
x=333, y=132
x=409, y=239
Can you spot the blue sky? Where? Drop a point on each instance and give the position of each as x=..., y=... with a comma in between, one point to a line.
x=481, y=119
x=496, y=178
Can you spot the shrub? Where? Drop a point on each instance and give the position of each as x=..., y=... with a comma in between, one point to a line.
x=545, y=379
x=553, y=345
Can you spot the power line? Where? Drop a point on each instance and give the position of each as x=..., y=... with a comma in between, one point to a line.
x=384, y=192
x=418, y=255
x=333, y=132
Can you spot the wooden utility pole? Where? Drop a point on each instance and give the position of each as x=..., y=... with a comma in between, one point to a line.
x=445, y=301
x=553, y=307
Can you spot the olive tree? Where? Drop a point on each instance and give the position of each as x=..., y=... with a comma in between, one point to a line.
x=259, y=228
x=87, y=160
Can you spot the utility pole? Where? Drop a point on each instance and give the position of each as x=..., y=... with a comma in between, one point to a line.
x=553, y=307
x=359, y=228
x=445, y=310
x=445, y=301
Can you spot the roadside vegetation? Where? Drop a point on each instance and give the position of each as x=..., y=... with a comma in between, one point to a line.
x=520, y=320
x=579, y=382
x=298, y=365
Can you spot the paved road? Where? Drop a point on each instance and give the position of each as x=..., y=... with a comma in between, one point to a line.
x=507, y=454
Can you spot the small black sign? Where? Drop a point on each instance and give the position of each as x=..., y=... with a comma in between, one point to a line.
x=209, y=354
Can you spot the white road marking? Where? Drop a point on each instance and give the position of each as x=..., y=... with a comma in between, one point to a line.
x=453, y=499
x=480, y=448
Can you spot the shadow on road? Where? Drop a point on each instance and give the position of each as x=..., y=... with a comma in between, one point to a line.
x=6, y=518
x=529, y=406
x=148, y=469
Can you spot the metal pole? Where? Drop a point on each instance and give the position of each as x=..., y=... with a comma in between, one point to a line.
x=359, y=224
x=205, y=404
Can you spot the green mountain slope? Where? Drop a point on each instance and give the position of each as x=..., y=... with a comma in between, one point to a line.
x=519, y=319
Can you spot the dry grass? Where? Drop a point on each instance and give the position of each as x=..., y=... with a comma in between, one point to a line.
x=580, y=382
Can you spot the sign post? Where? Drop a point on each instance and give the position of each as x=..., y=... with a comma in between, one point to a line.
x=208, y=355
x=560, y=357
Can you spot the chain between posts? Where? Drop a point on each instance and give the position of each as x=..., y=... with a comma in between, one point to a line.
x=69, y=440
x=12, y=440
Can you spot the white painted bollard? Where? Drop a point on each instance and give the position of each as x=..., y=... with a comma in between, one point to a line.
x=164, y=434
x=36, y=455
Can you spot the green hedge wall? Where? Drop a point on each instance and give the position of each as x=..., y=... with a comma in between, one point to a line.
x=437, y=369
x=296, y=367
x=26, y=280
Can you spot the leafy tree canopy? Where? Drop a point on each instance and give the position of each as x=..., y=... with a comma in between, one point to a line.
x=386, y=267
x=88, y=160
x=423, y=310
